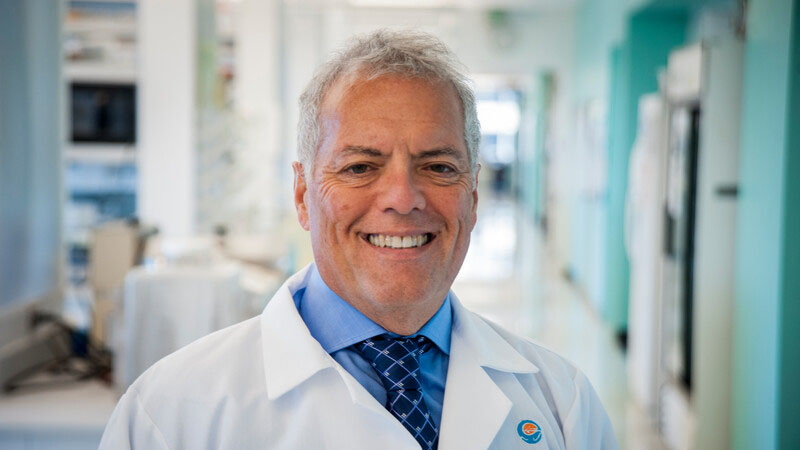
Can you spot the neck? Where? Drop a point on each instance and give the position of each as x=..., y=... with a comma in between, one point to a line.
x=400, y=309
x=403, y=321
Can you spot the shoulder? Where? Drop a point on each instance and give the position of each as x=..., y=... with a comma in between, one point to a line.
x=227, y=363
x=552, y=364
x=199, y=387
x=219, y=364
x=565, y=390
x=556, y=377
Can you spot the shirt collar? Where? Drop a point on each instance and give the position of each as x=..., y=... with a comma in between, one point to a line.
x=336, y=324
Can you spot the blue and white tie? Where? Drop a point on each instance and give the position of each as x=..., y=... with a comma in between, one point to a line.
x=396, y=360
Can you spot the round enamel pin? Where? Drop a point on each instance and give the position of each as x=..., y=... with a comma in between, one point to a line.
x=529, y=431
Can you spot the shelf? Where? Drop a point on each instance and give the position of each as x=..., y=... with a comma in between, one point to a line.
x=100, y=72
x=112, y=26
x=100, y=153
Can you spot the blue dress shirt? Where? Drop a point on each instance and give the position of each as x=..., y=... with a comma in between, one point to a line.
x=337, y=326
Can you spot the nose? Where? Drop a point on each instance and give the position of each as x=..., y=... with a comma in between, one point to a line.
x=400, y=191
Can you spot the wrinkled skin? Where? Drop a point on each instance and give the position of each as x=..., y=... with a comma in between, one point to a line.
x=392, y=160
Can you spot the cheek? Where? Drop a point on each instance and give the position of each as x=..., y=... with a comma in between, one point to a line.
x=338, y=208
x=343, y=208
x=458, y=207
x=335, y=210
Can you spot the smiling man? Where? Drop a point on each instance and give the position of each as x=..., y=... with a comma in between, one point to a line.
x=390, y=196
x=367, y=348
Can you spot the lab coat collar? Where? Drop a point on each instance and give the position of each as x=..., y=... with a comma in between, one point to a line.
x=291, y=355
x=475, y=407
x=484, y=343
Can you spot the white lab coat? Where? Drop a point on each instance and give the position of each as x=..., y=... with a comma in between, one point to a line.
x=266, y=383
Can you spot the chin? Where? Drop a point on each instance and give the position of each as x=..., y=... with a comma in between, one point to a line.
x=403, y=294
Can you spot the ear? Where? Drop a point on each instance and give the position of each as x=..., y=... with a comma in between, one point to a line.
x=300, y=194
x=475, y=197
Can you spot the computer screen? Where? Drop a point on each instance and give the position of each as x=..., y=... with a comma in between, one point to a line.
x=103, y=113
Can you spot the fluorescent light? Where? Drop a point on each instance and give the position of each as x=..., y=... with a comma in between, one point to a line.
x=498, y=117
x=401, y=3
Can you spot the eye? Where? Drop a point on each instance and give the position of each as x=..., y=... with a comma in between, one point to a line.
x=441, y=168
x=357, y=169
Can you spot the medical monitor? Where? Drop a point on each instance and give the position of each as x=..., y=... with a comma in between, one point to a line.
x=103, y=113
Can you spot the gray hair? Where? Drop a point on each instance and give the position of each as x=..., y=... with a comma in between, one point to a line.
x=407, y=53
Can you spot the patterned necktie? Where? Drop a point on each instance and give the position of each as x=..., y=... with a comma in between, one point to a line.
x=396, y=360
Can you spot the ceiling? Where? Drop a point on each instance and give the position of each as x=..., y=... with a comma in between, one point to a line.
x=527, y=5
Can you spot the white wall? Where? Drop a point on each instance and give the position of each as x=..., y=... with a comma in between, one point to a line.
x=166, y=114
x=257, y=106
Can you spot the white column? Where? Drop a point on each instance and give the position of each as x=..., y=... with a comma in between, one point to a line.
x=166, y=114
x=257, y=101
x=258, y=56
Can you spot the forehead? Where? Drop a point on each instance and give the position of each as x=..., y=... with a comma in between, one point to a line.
x=393, y=101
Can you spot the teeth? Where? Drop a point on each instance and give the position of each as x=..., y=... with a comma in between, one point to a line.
x=381, y=240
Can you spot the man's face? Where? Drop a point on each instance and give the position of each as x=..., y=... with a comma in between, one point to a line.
x=391, y=201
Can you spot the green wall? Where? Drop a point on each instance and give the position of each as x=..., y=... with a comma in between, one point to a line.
x=652, y=34
x=600, y=25
x=544, y=83
x=789, y=398
x=614, y=65
x=614, y=263
x=620, y=46
x=532, y=159
x=766, y=334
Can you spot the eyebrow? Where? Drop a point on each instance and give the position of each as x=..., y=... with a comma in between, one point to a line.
x=425, y=154
x=437, y=152
x=359, y=150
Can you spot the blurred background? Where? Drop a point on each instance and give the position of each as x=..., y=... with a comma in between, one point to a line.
x=639, y=192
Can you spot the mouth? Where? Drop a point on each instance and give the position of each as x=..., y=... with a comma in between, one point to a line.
x=399, y=242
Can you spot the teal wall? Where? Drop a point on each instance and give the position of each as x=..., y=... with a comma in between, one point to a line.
x=619, y=43
x=766, y=334
x=537, y=103
x=613, y=262
x=600, y=25
x=619, y=48
x=544, y=83
x=789, y=398
x=652, y=34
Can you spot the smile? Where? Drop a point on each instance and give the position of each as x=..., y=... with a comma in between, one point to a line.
x=382, y=240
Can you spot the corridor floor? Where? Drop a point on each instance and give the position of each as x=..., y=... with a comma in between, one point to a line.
x=507, y=278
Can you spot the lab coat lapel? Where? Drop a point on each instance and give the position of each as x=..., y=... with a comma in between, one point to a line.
x=475, y=407
x=291, y=355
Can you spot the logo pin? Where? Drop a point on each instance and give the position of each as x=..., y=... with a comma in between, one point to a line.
x=529, y=431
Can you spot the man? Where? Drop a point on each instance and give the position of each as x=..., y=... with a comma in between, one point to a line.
x=368, y=348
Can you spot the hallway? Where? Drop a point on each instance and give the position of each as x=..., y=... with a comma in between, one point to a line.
x=508, y=279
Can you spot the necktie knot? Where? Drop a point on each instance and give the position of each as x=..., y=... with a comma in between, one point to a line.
x=396, y=361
